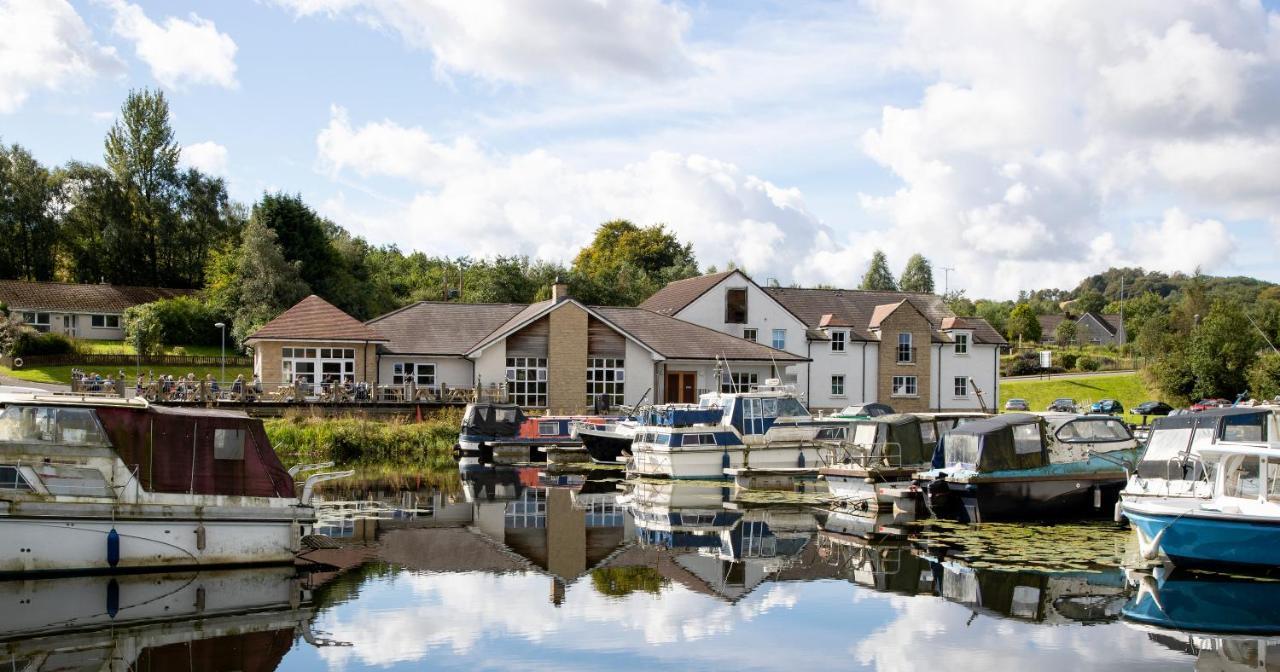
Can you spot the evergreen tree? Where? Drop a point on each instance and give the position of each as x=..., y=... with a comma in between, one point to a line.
x=917, y=276
x=142, y=155
x=878, y=275
x=264, y=283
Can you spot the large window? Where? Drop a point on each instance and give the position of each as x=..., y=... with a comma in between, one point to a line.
x=527, y=381
x=904, y=386
x=779, y=339
x=739, y=382
x=318, y=365
x=962, y=344
x=38, y=321
x=40, y=424
x=422, y=374
x=838, y=339
x=962, y=386
x=606, y=378
x=837, y=385
x=749, y=334
x=105, y=321
x=735, y=306
x=906, y=353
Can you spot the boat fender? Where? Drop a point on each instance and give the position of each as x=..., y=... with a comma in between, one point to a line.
x=113, y=598
x=457, y=452
x=200, y=537
x=800, y=459
x=1119, y=514
x=17, y=362
x=724, y=459
x=113, y=547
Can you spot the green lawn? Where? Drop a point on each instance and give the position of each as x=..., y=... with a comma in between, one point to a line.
x=122, y=348
x=1127, y=387
x=62, y=374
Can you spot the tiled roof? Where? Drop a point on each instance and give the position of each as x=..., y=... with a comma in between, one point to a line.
x=1049, y=323
x=76, y=298
x=677, y=339
x=881, y=312
x=438, y=328
x=831, y=320
x=676, y=295
x=1109, y=322
x=314, y=319
x=859, y=306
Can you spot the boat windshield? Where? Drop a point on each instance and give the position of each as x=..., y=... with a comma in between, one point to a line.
x=961, y=449
x=53, y=425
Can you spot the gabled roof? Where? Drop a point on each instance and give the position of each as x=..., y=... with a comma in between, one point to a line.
x=77, y=298
x=1049, y=323
x=526, y=315
x=858, y=307
x=314, y=319
x=440, y=328
x=676, y=339
x=881, y=312
x=1109, y=322
x=675, y=296
x=832, y=320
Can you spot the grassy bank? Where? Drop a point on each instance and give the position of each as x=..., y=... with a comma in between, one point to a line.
x=61, y=375
x=355, y=440
x=1127, y=387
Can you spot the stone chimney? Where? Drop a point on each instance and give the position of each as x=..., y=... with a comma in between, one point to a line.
x=559, y=290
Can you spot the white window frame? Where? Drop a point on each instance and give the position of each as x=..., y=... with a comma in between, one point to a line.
x=962, y=344
x=839, y=341
x=527, y=381
x=104, y=321
x=779, y=336
x=421, y=374
x=606, y=376
x=905, y=353
x=36, y=320
x=837, y=385
x=750, y=334
x=961, y=388
x=739, y=381
x=907, y=385
x=315, y=358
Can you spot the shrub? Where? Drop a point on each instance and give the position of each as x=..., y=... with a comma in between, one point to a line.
x=143, y=330
x=1089, y=363
x=29, y=342
x=357, y=440
x=1025, y=364
x=1068, y=360
x=185, y=320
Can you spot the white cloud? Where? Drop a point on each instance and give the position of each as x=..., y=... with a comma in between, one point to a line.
x=531, y=40
x=1180, y=243
x=179, y=52
x=207, y=157
x=388, y=149
x=46, y=45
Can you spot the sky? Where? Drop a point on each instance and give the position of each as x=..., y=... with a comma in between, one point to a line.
x=1022, y=145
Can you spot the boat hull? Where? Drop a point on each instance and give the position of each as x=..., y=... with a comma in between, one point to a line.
x=1028, y=499
x=1194, y=540
x=71, y=541
x=712, y=463
x=605, y=448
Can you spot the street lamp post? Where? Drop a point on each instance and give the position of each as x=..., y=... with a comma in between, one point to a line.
x=223, y=375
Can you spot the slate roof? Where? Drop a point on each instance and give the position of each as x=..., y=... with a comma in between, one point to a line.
x=676, y=339
x=1049, y=323
x=439, y=328
x=858, y=307
x=68, y=297
x=672, y=298
x=314, y=319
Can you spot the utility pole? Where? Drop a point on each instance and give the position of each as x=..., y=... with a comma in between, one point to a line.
x=946, y=279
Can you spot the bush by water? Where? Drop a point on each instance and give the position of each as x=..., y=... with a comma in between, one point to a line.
x=357, y=440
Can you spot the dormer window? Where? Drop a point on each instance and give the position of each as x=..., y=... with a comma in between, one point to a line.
x=838, y=340
x=906, y=353
x=962, y=343
x=735, y=306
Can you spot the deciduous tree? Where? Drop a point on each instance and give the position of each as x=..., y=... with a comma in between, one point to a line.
x=917, y=276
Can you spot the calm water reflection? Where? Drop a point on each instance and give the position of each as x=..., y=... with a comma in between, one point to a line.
x=517, y=568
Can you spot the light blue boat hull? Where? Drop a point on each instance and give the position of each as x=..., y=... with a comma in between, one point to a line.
x=1196, y=541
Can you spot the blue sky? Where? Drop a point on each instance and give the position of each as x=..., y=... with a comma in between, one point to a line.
x=1025, y=145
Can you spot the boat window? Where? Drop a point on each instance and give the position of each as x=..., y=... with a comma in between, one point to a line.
x=961, y=449
x=789, y=408
x=927, y=432
x=1250, y=427
x=1273, y=481
x=1026, y=438
x=661, y=439
x=698, y=440
x=865, y=434
x=1162, y=446
x=831, y=434
x=65, y=426
x=73, y=481
x=548, y=428
x=12, y=479
x=768, y=408
x=1243, y=479
x=1093, y=430
x=505, y=414
x=228, y=444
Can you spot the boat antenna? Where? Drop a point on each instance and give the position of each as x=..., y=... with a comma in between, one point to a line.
x=636, y=406
x=1263, y=334
x=732, y=383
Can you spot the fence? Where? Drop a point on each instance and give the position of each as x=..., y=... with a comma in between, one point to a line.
x=208, y=392
x=121, y=361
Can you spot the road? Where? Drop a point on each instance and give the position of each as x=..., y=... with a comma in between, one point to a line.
x=18, y=382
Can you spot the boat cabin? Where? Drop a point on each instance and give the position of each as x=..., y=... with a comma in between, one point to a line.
x=896, y=438
x=57, y=446
x=1004, y=442
x=934, y=425
x=492, y=420
x=1175, y=442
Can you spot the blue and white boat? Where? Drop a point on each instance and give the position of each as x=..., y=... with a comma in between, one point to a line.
x=766, y=428
x=1239, y=524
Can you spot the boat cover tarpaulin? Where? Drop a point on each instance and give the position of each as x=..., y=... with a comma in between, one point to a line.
x=496, y=420
x=173, y=451
x=1175, y=438
x=991, y=444
x=904, y=430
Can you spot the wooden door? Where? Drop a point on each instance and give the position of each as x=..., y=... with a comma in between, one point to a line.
x=682, y=387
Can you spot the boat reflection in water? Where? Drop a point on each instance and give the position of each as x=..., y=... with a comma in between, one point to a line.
x=1226, y=622
x=871, y=549
x=243, y=619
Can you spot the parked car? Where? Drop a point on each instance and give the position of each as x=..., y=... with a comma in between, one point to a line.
x=1108, y=406
x=1151, y=408
x=1017, y=404
x=1062, y=405
x=1205, y=404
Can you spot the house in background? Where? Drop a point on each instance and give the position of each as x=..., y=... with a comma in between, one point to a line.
x=79, y=311
x=1091, y=328
x=559, y=355
x=904, y=349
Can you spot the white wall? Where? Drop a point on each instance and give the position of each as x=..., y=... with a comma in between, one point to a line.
x=857, y=360
x=980, y=364
x=763, y=313
x=451, y=371
x=491, y=365
x=84, y=325
x=640, y=368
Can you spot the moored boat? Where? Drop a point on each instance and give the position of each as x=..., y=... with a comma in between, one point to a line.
x=870, y=452
x=607, y=442
x=93, y=484
x=1027, y=466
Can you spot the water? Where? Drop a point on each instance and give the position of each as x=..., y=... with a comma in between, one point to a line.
x=517, y=569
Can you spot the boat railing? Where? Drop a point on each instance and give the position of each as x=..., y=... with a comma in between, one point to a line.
x=865, y=455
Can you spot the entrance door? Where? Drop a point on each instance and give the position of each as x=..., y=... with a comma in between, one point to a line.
x=682, y=387
x=69, y=325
